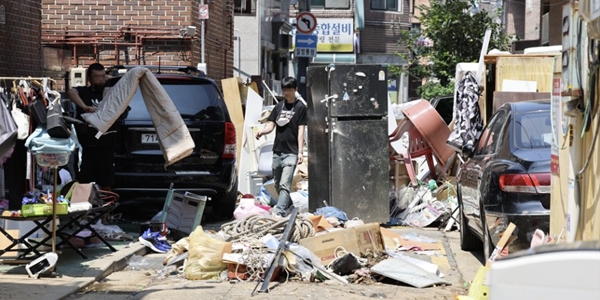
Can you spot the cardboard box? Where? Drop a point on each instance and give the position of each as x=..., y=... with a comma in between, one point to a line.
x=393, y=240
x=356, y=240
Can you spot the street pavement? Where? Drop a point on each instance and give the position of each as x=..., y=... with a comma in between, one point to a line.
x=149, y=280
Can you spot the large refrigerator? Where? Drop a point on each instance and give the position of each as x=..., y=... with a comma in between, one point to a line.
x=348, y=140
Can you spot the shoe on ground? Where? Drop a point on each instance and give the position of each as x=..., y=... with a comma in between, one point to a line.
x=154, y=241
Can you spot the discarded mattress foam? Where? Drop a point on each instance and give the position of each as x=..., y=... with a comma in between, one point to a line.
x=173, y=135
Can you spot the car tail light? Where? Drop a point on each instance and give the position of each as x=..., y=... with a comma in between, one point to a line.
x=229, y=143
x=526, y=183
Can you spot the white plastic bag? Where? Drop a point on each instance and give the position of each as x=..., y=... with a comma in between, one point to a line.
x=247, y=208
x=22, y=121
x=300, y=200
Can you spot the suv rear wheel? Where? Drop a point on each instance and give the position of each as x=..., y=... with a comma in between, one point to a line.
x=225, y=206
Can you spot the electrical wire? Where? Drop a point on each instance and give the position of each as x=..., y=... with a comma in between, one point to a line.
x=579, y=174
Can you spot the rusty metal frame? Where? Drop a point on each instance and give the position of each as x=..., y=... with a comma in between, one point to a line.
x=120, y=37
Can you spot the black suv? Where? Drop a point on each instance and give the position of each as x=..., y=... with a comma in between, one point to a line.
x=210, y=170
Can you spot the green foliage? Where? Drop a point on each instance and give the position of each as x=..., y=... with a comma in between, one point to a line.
x=432, y=89
x=452, y=34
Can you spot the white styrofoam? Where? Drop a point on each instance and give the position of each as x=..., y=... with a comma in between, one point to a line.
x=248, y=163
x=548, y=276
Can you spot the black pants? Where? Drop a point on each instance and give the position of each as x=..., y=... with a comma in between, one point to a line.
x=97, y=165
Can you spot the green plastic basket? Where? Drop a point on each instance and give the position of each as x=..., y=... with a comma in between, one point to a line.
x=37, y=210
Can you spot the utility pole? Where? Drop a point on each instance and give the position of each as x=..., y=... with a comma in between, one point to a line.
x=303, y=62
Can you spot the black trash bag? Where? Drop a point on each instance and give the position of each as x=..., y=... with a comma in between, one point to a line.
x=345, y=265
x=56, y=125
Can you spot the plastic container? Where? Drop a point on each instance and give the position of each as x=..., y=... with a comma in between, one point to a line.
x=52, y=159
x=36, y=210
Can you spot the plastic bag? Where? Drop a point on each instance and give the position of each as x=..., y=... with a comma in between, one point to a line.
x=300, y=200
x=177, y=249
x=307, y=260
x=205, y=259
x=22, y=121
x=248, y=208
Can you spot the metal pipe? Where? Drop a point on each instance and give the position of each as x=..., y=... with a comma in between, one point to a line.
x=239, y=52
x=116, y=53
x=202, y=38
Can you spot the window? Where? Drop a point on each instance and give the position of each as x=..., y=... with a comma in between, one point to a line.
x=199, y=100
x=491, y=137
x=317, y=4
x=242, y=7
x=330, y=4
x=389, y=5
x=415, y=28
x=532, y=130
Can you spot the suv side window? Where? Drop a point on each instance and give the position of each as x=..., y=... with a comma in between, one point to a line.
x=490, y=138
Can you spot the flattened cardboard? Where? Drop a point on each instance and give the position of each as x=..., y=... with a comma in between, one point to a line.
x=392, y=241
x=319, y=223
x=355, y=240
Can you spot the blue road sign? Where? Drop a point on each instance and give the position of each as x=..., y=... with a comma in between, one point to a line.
x=306, y=45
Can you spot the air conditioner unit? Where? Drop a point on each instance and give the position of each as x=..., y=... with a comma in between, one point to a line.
x=77, y=77
x=545, y=36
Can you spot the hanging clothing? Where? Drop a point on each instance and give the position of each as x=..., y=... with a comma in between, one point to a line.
x=8, y=129
x=173, y=135
x=469, y=123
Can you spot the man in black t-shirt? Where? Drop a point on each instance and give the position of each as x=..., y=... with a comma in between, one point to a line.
x=97, y=163
x=289, y=119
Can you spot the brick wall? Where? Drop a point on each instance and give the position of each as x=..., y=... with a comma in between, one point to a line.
x=382, y=29
x=555, y=33
x=20, y=47
x=515, y=18
x=417, y=12
x=108, y=16
x=532, y=20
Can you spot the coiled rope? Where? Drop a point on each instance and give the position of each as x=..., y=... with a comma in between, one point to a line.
x=257, y=226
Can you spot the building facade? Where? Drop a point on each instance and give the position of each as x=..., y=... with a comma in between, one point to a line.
x=262, y=35
x=20, y=36
x=359, y=32
x=151, y=32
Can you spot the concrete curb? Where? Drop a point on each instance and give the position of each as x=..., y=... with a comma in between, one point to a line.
x=105, y=266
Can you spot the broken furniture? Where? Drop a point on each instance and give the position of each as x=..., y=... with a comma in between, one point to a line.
x=427, y=135
x=78, y=220
x=183, y=212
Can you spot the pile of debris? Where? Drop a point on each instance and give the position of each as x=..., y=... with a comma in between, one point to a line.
x=315, y=247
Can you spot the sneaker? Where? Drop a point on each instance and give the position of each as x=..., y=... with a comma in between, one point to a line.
x=154, y=241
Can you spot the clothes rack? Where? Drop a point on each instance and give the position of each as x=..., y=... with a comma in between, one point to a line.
x=28, y=78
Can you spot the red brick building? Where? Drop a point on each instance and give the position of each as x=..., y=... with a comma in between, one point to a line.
x=20, y=32
x=126, y=32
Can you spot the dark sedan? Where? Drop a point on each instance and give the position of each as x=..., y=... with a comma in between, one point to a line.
x=507, y=179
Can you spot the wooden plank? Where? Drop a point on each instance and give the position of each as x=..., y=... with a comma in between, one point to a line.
x=493, y=58
x=500, y=98
x=233, y=100
x=539, y=69
x=254, y=86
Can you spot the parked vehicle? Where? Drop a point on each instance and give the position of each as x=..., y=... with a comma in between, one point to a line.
x=210, y=170
x=507, y=179
x=444, y=105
